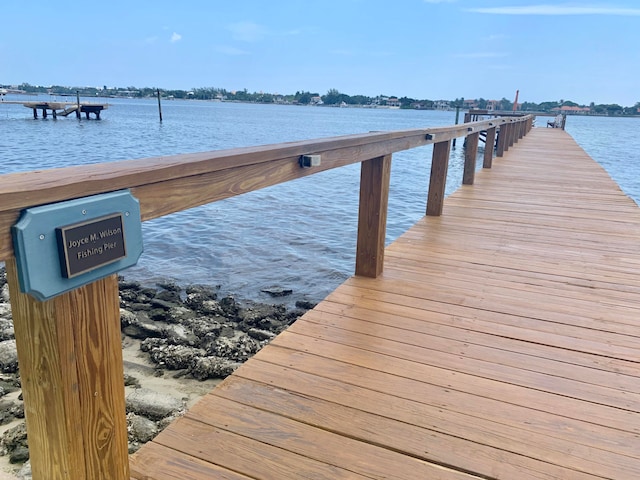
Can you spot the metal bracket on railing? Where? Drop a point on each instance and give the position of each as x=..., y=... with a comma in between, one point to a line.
x=429, y=136
x=307, y=161
x=470, y=129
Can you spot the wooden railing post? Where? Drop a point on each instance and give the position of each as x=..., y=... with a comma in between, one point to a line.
x=512, y=133
x=372, y=217
x=70, y=359
x=470, y=154
x=521, y=132
x=438, y=179
x=502, y=140
x=488, y=147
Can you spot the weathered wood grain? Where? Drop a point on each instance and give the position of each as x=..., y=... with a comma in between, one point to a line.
x=70, y=358
x=372, y=219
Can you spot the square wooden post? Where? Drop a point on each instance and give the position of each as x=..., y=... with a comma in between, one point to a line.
x=438, y=179
x=470, y=154
x=488, y=147
x=372, y=218
x=502, y=140
x=512, y=134
x=70, y=359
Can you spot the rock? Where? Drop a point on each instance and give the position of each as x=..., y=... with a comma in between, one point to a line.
x=141, y=429
x=305, y=305
x=19, y=455
x=149, y=344
x=203, y=326
x=180, y=314
x=8, y=356
x=25, y=471
x=262, y=316
x=131, y=381
x=239, y=348
x=277, y=291
x=13, y=438
x=139, y=325
x=212, y=367
x=171, y=297
x=229, y=306
x=179, y=335
x=260, y=335
x=4, y=293
x=175, y=357
x=203, y=299
x=163, y=304
x=152, y=405
x=6, y=326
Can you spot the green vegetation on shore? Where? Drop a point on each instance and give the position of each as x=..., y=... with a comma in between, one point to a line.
x=332, y=98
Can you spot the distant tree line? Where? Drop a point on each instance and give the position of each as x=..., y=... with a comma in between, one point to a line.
x=333, y=97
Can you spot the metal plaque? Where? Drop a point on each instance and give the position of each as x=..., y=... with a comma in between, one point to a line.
x=62, y=246
x=88, y=245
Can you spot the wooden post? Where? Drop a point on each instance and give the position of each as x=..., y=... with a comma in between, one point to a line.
x=70, y=358
x=438, y=180
x=35, y=113
x=488, y=147
x=470, y=154
x=78, y=104
x=457, y=118
x=159, y=106
x=512, y=134
x=372, y=218
x=502, y=140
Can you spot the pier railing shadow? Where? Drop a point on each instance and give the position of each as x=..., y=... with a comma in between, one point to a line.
x=69, y=346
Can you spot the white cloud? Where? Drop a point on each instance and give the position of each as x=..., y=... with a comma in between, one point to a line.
x=544, y=9
x=176, y=37
x=247, y=31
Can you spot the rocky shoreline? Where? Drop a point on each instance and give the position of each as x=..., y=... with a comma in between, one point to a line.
x=178, y=342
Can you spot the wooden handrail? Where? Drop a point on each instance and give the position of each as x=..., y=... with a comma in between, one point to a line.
x=167, y=185
x=69, y=347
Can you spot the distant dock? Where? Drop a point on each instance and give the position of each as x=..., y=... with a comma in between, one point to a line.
x=63, y=109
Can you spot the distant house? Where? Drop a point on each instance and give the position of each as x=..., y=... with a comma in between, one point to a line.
x=316, y=101
x=393, y=102
x=493, y=105
x=572, y=110
x=441, y=105
x=469, y=104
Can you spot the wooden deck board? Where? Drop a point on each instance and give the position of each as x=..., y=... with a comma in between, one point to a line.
x=502, y=341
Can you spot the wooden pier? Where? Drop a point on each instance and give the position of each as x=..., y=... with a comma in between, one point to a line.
x=502, y=341
x=63, y=109
x=499, y=338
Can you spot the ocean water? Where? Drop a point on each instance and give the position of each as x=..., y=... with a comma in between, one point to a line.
x=300, y=235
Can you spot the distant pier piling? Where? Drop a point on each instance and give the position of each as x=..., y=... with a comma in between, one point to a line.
x=159, y=105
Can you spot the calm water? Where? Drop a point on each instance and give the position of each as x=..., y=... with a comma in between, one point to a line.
x=299, y=235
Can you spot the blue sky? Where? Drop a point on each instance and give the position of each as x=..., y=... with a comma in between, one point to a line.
x=435, y=49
